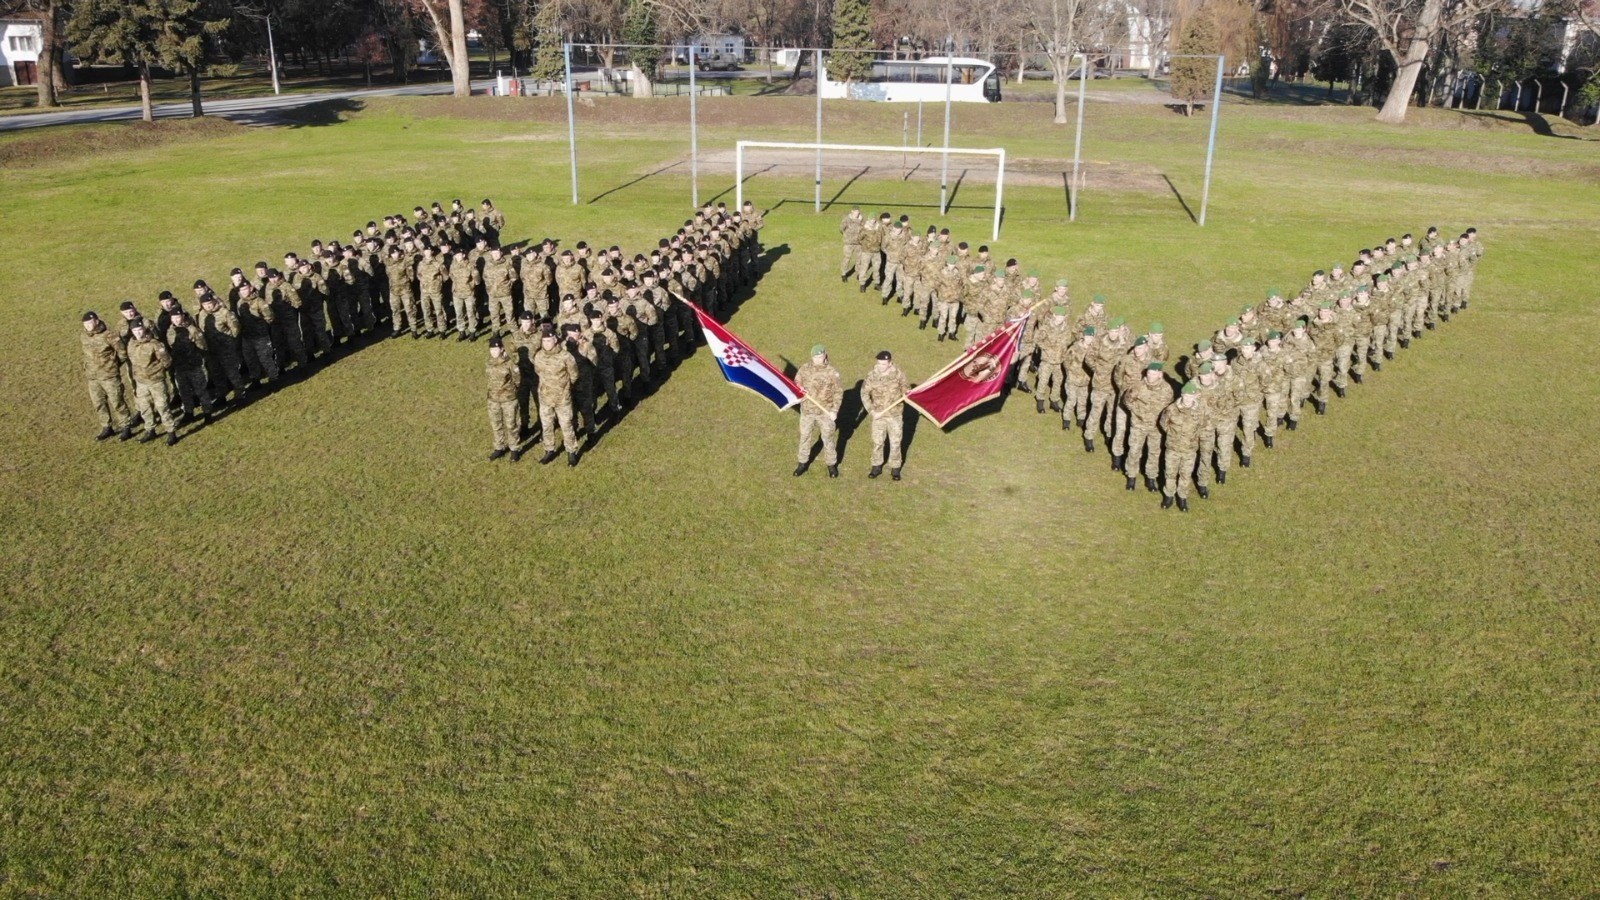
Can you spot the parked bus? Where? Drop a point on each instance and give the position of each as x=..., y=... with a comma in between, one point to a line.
x=909, y=81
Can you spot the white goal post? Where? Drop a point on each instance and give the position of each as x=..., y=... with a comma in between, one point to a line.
x=998, y=152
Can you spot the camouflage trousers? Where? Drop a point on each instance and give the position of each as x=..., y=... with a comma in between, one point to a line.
x=286, y=340
x=1357, y=362
x=1395, y=332
x=977, y=329
x=1325, y=370
x=1077, y=403
x=433, y=314
x=641, y=354
x=502, y=313
x=1143, y=440
x=1179, y=463
x=606, y=383
x=1249, y=422
x=1052, y=381
x=945, y=316
x=1277, y=403
x=1415, y=318
x=886, y=432
x=658, y=342
x=343, y=315
x=155, y=405
x=259, y=360
x=1102, y=410
x=1299, y=390
x=1024, y=367
x=505, y=423
x=466, y=310
x=226, y=370
x=852, y=252
x=314, y=327
x=813, y=421
x=555, y=414
x=366, y=318
x=403, y=311
x=894, y=279
x=869, y=267
x=192, y=389
x=1341, y=364
x=1220, y=443
x=109, y=403
x=919, y=299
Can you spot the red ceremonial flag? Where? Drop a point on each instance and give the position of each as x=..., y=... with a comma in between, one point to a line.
x=977, y=376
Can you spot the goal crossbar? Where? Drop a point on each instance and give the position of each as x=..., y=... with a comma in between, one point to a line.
x=998, y=152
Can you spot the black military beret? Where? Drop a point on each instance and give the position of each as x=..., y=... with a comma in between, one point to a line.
x=201, y=283
x=166, y=295
x=571, y=328
x=125, y=305
x=236, y=271
x=884, y=354
x=137, y=322
x=90, y=316
x=262, y=265
x=496, y=342
x=526, y=314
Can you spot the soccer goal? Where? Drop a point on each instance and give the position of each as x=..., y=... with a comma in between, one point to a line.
x=998, y=153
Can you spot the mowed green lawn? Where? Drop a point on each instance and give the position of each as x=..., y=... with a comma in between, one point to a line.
x=322, y=647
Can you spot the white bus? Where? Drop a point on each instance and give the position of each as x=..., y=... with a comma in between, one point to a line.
x=908, y=81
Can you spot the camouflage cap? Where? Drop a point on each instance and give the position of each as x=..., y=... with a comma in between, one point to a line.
x=818, y=350
x=1190, y=387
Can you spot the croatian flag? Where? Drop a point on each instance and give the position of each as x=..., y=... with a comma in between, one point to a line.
x=745, y=367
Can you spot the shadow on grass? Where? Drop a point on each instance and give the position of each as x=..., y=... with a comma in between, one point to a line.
x=628, y=184
x=1181, y=202
x=313, y=115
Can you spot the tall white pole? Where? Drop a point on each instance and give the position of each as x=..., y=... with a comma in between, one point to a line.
x=694, y=133
x=572, y=122
x=738, y=176
x=999, y=194
x=818, y=80
x=272, y=57
x=1077, y=144
x=944, y=168
x=1211, y=144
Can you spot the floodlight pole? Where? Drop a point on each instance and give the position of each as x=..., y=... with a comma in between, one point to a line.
x=1211, y=144
x=1077, y=141
x=694, y=133
x=818, y=81
x=944, y=168
x=572, y=123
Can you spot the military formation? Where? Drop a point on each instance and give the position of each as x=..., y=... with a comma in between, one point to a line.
x=1254, y=377
x=438, y=274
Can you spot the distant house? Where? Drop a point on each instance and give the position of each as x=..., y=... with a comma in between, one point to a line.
x=706, y=45
x=20, y=40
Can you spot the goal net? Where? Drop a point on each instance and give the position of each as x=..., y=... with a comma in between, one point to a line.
x=999, y=155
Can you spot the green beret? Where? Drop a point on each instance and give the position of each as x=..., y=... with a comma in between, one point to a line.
x=1273, y=292
x=1383, y=278
x=952, y=259
x=1190, y=387
x=1207, y=368
x=818, y=350
x=1157, y=366
x=1233, y=321
x=1274, y=335
x=1088, y=331
x=1247, y=311
x=977, y=269
x=1336, y=267
x=1033, y=273
x=1099, y=298
x=1325, y=305
x=1300, y=322
x=1140, y=341
x=1202, y=347
x=1059, y=310
x=1157, y=328
x=1028, y=294
x=1345, y=294
x=1118, y=322
x=1061, y=282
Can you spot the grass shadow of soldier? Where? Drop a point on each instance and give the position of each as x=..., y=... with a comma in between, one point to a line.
x=764, y=264
x=851, y=414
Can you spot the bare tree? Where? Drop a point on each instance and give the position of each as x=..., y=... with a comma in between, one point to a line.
x=1055, y=26
x=1407, y=30
x=449, y=20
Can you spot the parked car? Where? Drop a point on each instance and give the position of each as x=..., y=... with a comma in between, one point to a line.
x=717, y=62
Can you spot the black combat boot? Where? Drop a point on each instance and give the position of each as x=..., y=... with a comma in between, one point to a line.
x=1244, y=461
x=1268, y=441
x=894, y=474
x=549, y=457
x=1203, y=491
x=904, y=311
x=148, y=437
x=1133, y=483
x=1356, y=377
x=941, y=337
x=875, y=471
x=572, y=459
x=1387, y=354
x=172, y=438
x=922, y=325
x=1066, y=424
x=1322, y=407
x=497, y=453
x=1088, y=445
x=801, y=469
x=126, y=434
x=1222, y=476
x=833, y=471
x=516, y=456
x=1150, y=484
x=1055, y=407
x=1166, y=502
x=863, y=289
x=1183, y=504
x=1339, y=391
x=1376, y=366
x=1116, y=464
x=108, y=431
x=1038, y=406
x=1292, y=424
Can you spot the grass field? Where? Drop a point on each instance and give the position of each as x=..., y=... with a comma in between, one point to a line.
x=321, y=647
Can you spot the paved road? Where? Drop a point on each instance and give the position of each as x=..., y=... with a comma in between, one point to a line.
x=249, y=111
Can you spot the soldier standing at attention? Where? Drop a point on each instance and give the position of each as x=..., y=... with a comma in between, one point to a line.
x=819, y=412
x=255, y=335
x=150, y=361
x=463, y=295
x=221, y=329
x=1144, y=401
x=882, y=392
x=103, y=356
x=558, y=375
x=505, y=385
x=187, y=344
x=1180, y=429
x=430, y=281
x=950, y=286
x=1054, y=338
x=869, y=258
x=850, y=228
x=499, y=276
x=491, y=221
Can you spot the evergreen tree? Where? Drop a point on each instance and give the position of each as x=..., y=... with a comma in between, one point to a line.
x=1193, y=78
x=549, y=63
x=148, y=33
x=851, y=57
x=638, y=28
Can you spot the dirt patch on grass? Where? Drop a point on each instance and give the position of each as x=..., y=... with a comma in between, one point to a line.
x=50, y=145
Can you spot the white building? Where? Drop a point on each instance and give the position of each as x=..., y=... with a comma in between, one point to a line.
x=706, y=45
x=20, y=40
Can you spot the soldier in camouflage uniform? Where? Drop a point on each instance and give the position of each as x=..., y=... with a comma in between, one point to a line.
x=896, y=241
x=103, y=358
x=505, y=386
x=1076, y=406
x=1054, y=337
x=949, y=289
x=882, y=393
x=1180, y=424
x=819, y=411
x=1277, y=371
x=1101, y=362
x=1300, y=361
x=1249, y=376
x=536, y=282
x=256, y=316
x=558, y=376
x=850, y=228
x=403, y=308
x=463, y=276
x=187, y=344
x=313, y=290
x=1328, y=337
x=869, y=255
x=1142, y=401
x=521, y=345
x=286, y=339
x=431, y=272
x=150, y=361
x=499, y=281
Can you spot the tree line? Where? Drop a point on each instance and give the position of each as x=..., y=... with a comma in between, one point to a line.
x=1399, y=51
